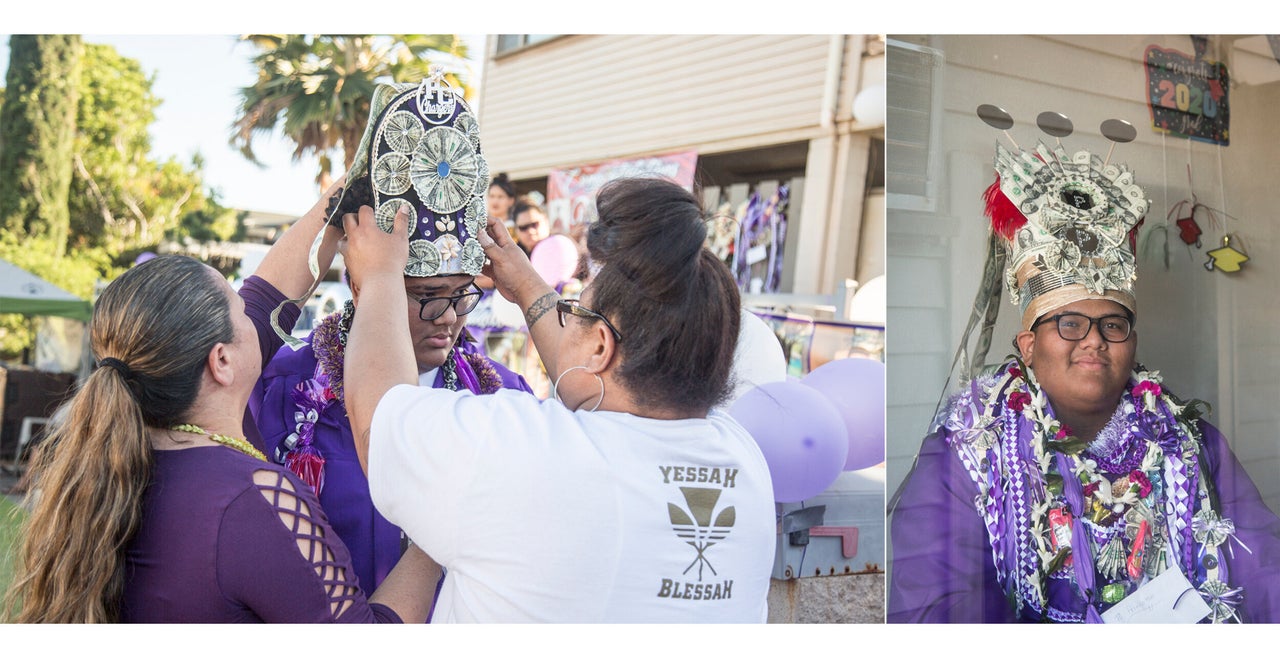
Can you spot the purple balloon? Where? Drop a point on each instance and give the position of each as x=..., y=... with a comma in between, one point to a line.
x=801, y=435
x=855, y=386
x=555, y=258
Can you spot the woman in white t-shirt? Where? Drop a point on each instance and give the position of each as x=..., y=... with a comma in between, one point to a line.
x=624, y=499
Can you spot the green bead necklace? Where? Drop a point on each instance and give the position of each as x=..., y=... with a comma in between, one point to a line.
x=238, y=443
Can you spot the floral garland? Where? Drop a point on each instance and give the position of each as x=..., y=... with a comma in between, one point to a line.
x=313, y=395
x=1061, y=491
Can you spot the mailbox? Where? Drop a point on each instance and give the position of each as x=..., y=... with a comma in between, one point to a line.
x=838, y=532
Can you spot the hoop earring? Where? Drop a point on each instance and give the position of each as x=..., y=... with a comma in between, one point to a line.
x=555, y=386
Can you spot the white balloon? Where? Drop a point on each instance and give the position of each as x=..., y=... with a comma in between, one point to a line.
x=868, y=302
x=758, y=359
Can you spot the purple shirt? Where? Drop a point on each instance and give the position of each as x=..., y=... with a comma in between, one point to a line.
x=213, y=549
x=211, y=546
x=374, y=542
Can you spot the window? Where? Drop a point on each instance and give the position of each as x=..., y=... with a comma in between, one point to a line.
x=912, y=135
x=509, y=42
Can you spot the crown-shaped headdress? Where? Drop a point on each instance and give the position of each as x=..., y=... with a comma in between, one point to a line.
x=1063, y=229
x=421, y=151
x=1065, y=221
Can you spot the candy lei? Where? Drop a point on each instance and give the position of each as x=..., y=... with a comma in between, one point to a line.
x=1044, y=497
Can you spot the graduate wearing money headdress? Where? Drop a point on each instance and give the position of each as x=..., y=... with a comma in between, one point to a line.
x=420, y=154
x=1068, y=484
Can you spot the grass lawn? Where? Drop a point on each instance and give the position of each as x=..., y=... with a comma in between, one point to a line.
x=8, y=533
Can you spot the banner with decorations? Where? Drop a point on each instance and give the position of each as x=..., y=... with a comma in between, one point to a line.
x=571, y=192
x=1188, y=96
x=750, y=239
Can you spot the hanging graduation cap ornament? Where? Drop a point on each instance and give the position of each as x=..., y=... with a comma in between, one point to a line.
x=1189, y=230
x=1227, y=259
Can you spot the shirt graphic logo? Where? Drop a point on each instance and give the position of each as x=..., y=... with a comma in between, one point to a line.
x=696, y=527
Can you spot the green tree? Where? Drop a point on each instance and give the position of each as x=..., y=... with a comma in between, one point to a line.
x=317, y=88
x=37, y=131
x=121, y=198
x=212, y=222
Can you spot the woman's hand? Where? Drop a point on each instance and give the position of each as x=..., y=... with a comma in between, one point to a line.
x=509, y=268
x=371, y=253
x=287, y=264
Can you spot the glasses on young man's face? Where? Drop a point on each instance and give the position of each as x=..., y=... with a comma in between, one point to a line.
x=1114, y=328
x=429, y=309
x=572, y=307
x=529, y=226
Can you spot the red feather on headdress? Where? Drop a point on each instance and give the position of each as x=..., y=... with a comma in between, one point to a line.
x=1006, y=220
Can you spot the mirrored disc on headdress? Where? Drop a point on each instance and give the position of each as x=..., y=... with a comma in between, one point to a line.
x=1118, y=130
x=995, y=117
x=1054, y=124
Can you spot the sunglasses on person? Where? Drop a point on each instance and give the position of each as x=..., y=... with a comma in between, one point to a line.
x=1114, y=328
x=572, y=307
x=529, y=226
x=429, y=309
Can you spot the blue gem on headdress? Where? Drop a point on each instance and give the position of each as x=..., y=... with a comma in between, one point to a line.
x=443, y=169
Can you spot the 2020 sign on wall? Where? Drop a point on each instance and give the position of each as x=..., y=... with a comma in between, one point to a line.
x=1187, y=96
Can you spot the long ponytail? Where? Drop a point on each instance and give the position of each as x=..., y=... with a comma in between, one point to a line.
x=153, y=328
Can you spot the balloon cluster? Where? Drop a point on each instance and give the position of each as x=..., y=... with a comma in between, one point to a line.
x=831, y=420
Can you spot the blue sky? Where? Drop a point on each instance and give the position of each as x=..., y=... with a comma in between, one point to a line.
x=198, y=77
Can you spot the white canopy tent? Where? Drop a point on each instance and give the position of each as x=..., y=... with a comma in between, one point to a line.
x=24, y=293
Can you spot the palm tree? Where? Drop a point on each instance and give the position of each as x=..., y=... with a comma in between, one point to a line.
x=320, y=85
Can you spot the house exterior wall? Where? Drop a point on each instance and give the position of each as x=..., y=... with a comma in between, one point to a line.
x=581, y=99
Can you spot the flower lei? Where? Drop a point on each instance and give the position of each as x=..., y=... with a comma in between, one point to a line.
x=314, y=395
x=1061, y=491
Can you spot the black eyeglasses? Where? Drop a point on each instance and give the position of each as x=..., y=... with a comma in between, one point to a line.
x=572, y=307
x=529, y=226
x=429, y=309
x=1114, y=328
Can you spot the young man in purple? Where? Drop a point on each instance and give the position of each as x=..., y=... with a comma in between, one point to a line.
x=420, y=155
x=1068, y=485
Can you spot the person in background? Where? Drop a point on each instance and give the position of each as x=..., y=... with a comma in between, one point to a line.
x=625, y=498
x=501, y=198
x=300, y=405
x=150, y=507
x=531, y=225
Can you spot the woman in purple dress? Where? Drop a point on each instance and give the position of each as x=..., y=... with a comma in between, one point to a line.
x=148, y=505
x=1068, y=485
x=299, y=404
